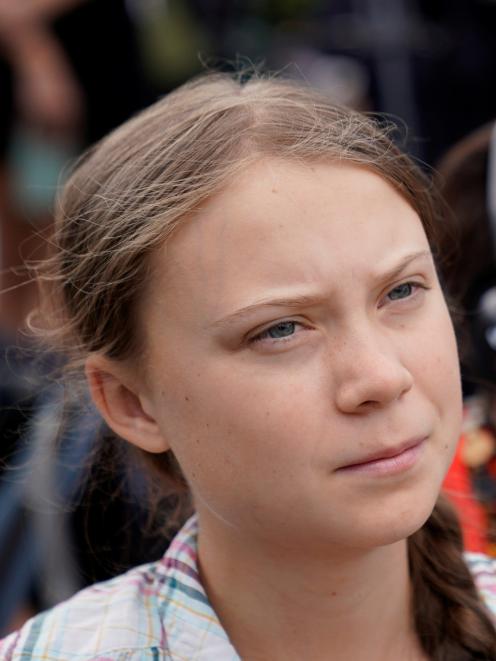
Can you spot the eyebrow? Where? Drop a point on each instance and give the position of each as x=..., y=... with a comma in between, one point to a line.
x=307, y=300
x=397, y=270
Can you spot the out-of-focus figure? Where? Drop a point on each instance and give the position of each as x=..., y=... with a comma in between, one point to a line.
x=70, y=71
x=468, y=178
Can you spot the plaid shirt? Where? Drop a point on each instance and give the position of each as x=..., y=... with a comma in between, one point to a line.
x=158, y=611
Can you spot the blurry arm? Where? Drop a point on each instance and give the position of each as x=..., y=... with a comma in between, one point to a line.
x=25, y=25
x=15, y=13
x=46, y=91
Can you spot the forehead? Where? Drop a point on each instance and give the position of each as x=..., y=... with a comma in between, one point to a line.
x=281, y=223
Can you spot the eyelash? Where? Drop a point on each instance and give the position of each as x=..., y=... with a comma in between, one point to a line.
x=264, y=335
x=415, y=286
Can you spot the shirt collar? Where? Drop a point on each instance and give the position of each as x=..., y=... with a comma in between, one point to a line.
x=191, y=627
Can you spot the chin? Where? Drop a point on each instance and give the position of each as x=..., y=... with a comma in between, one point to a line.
x=402, y=526
x=392, y=524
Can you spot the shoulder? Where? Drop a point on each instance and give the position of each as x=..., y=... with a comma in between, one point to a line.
x=158, y=611
x=483, y=570
x=116, y=619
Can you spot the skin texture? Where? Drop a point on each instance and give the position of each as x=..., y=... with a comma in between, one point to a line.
x=263, y=423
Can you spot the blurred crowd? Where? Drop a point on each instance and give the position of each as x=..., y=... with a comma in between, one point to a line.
x=70, y=71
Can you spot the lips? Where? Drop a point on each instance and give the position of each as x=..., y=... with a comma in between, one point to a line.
x=385, y=453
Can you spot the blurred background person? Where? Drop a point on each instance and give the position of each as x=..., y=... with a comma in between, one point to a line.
x=467, y=176
x=70, y=72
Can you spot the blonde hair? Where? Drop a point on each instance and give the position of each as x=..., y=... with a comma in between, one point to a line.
x=128, y=195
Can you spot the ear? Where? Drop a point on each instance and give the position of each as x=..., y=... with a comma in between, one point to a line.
x=122, y=402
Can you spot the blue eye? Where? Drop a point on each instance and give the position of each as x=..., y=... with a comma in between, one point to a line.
x=282, y=329
x=277, y=332
x=401, y=291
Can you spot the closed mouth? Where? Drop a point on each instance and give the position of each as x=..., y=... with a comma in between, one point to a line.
x=386, y=453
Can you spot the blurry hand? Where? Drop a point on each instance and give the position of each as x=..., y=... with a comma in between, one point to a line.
x=34, y=11
x=47, y=94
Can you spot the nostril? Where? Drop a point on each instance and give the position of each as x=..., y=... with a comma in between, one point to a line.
x=368, y=391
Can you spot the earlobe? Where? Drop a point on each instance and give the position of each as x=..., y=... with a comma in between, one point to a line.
x=122, y=405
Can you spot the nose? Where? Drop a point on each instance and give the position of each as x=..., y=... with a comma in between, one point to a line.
x=370, y=375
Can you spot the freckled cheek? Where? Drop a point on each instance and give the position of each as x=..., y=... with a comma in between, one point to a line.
x=234, y=400
x=221, y=422
x=438, y=376
x=447, y=362
x=225, y=442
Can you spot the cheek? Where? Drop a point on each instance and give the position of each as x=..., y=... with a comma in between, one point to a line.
x=446, y=366
x=228, y=425
x=439, y=378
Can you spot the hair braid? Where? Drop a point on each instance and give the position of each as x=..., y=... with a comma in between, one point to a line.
x=450, y=618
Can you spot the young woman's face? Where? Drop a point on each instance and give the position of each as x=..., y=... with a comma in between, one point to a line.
x=301, y=361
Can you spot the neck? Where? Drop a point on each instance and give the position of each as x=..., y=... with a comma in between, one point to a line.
x=352, y=604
